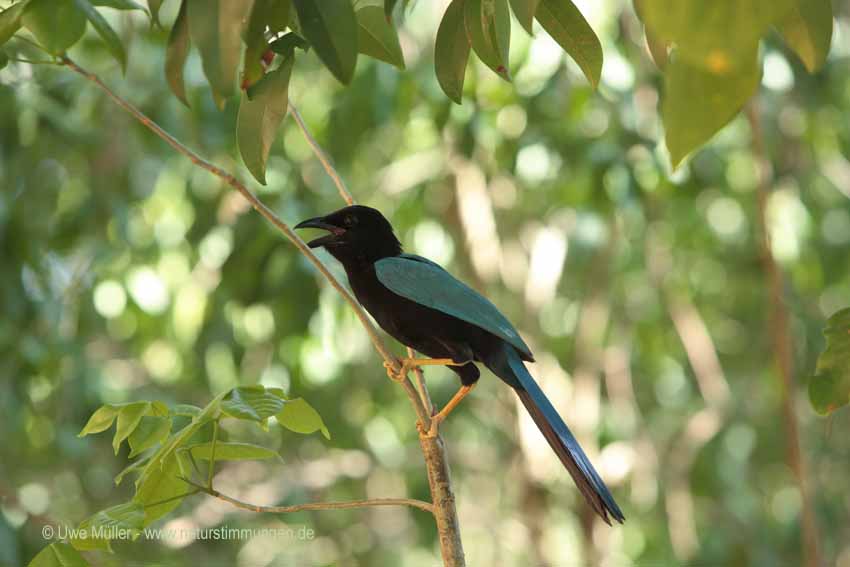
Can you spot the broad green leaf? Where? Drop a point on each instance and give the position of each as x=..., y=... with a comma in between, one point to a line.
x=101, y=420
x=718, y=34
x=331, y=28
x=698, y=103
x=251, y=402
x=231, y=452
x=451, y=51
x=377, y=37
x=185, y=410
x=157, y=484
x=807, y=29
x=154, y=6
x=488, y=26
x=98, y=530
x=299, y=416
x=260, y=117
x=176, y=54
x=255, y=42
x=563, y=21
x=58, y=555
x=113, y=42
x=56, y=24
x=119, y=4
x=135, y=466
x=128, y=419
x=524, y=10
x=279, y=13
x=151, y=430
x=215, y=27
x=10, y=20
x=829, y=388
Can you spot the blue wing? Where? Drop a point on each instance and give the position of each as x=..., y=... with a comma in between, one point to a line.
x=421, y=280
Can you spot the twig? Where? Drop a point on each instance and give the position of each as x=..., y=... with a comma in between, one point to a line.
x=373, y=502
x=420, y=384
x=211, y=471
x=781, y=336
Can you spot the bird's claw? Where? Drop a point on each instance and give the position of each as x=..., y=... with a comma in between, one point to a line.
x=395, y=377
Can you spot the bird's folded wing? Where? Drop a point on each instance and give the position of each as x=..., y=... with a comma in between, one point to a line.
x=421, y=280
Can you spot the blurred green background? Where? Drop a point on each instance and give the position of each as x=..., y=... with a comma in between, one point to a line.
x=129, y=274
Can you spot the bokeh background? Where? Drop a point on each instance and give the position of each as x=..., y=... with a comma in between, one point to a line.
x=128, y=274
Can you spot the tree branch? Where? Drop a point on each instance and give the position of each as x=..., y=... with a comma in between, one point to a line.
x=781, y=337
x=371, y=503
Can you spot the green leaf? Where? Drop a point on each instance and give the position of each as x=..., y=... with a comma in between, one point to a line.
x=101, y=420
x=252, y=402
x=113, y=42
x=231, y=452
x=807, y=29
x=154, y=6
x=260, y=117
x=98, y=530
x=176, y=54
x=488, y=27
x=58, y=555
x=279, y=14
x=10, y=20
x=377, y=37
x=331, y=28
x=119, y=4
x=215, y=27
x=185, y=410
x=286, y=44
x=451, y=51
x=135, y=466
x=525, y=10
x=151, y=430
x=4, y=60
x=389, y=6
x=717, y=35
x=157, y=484
x=128, y=419
x=255, y=42
x=299, y=416
x=563, y=21
x=829, y=388
x=698, y=103
x=56, y=24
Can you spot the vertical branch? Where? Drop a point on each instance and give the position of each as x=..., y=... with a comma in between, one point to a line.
x=782, y=341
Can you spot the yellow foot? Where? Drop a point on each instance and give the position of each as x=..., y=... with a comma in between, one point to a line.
x=409, y=363
x=391, y=373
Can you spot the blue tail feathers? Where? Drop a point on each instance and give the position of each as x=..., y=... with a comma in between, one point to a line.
x=509, y=366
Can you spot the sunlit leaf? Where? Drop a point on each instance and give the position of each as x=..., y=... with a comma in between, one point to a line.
x=451, y=51
x=807, y=29
x=128, y=419
x=829, y=388
x=563, y=21
x=377, y=37
x=299, y=416
x=10, y=20
x=488, y=26
x=186, y=410
x=215, y=27
x=231, y=452
x=128, y=517
x=524, y=10
x=101, y=420
x=58, y=555
x=251, y=402
x=56, y=24
x=331, y=28
x=159, y=489
x=698, y=103
x=135, y=466
x=176, y=54
x=150, y=431
x=113, y=42
x=255, y=42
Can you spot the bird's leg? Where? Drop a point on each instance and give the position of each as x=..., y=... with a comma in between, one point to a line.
x=408, y=363
x=447, y=409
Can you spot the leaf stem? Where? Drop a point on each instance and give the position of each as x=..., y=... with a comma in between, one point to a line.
x=211, y=471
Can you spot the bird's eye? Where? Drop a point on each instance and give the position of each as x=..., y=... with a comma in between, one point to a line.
x=350, y=220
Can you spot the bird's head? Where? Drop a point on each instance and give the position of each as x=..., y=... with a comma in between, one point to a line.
x=357, y=235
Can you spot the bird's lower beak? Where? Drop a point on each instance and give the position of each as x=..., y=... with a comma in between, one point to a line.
x=321, y=223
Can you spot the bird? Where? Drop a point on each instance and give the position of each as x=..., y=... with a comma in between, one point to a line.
x=424, y=307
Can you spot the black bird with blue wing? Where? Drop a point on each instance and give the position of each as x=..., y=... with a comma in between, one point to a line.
x=424, y=307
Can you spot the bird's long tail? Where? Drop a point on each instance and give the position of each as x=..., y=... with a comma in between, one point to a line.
x=508, y=366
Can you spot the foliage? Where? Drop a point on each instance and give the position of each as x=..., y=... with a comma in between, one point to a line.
x=829, y=388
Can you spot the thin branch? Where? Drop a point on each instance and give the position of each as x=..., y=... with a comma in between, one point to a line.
x=326, y=162
x=211, y=471
x=371, y=503
x=419, y=376
x=781, y=337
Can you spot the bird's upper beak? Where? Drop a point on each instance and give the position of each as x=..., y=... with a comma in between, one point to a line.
x=322, y=223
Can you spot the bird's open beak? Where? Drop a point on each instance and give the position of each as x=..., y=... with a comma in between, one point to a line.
x=321, y=223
